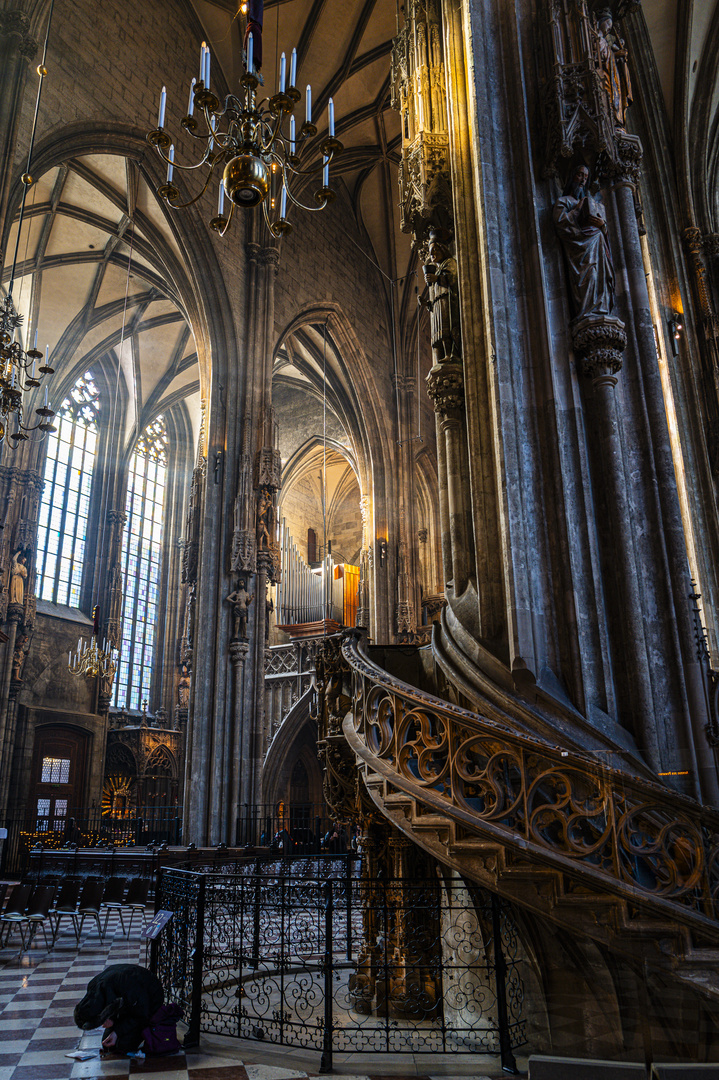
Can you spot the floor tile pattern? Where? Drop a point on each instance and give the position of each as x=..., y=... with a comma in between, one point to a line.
x=39, y=990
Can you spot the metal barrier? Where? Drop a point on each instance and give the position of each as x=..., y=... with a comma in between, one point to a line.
x=28, y=832
x=384, y=966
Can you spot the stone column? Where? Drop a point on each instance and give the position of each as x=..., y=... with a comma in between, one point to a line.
x=14, y=618
x=599, y=341
x=697, y=246
x=445, y=386
x=674, y=636
x=240, y=750
x=363, y=598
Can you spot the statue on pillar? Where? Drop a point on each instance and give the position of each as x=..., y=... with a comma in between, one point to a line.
x=240, y=600
x=269, y=609
x=443, y=304
x=18, y=576
x=615, y=70
x=580, y=223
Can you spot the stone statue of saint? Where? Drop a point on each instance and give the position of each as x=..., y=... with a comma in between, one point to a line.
x=581, y=225
x=269, y=608
x=615, y=70
x=240, y=600
x=183, y=687
x=22, y=646
x=443, y=304
x=265, y=520
x=18, y=574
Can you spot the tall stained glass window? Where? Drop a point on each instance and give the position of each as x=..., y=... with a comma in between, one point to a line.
x=141, y=563
x=65, y=504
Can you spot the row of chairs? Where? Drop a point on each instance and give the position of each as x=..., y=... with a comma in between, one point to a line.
x=35, y=905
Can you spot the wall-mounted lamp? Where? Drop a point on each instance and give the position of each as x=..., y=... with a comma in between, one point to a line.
x=675, y=324
x=382, y=550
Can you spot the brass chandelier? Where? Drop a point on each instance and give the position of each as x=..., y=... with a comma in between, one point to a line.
x=18, y=373
x=253, y=147
x=92, y=661
x=18, y=366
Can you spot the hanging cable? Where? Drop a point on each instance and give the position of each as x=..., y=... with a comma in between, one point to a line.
x=324, y=460
x=27, y=177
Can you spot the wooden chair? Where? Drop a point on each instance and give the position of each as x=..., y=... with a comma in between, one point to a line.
x=14, y=913
x=136, y=900
x=89, y=905
x=66, y=906
x=38, y=913
x=112, y=899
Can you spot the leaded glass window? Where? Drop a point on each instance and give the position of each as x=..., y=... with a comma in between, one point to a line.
x=65, y=504
x=142, y=564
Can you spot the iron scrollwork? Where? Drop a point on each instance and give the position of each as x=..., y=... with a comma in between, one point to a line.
x=618, y=833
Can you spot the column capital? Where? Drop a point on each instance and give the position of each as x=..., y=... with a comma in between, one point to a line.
x=599, y=341
x=16, y=24
x=624, y=168
x=445, y=386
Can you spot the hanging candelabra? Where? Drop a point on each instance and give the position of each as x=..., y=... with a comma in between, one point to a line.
x=253, y=147
x=18, y=373
x=18, y=366
x=92, y=661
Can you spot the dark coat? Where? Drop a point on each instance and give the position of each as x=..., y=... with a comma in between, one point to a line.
x=128, y=995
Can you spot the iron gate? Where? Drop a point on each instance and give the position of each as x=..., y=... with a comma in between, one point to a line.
x=391, y=966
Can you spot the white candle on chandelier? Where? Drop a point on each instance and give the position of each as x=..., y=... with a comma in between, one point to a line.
x=293, y=67
x=250, y=54
x=326, y=172
x=283, y=73
x=35, y=345
x=32, y=373
x=206, y=78
x=308, y=105
x=283, y=202
x=221, y=199
x=203, y=46
x=292, y=134
x=191, y=103
x=45, y=397
x=163, y=102
x=47, y=354
x=331, y=107
x=170, y=163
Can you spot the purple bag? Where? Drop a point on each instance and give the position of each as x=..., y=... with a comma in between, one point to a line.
x=160, y=1035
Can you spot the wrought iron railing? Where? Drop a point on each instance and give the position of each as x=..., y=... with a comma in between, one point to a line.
x=345, y=964
x=619, y=833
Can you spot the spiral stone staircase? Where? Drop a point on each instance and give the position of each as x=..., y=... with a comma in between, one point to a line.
x=605, y=852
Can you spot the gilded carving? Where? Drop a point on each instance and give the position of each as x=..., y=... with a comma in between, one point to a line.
x=418, y=93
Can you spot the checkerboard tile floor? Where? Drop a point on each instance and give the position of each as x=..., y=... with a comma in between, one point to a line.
x=39, y=990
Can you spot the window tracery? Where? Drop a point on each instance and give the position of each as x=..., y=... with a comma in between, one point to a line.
x=142, y=564
x=65, y=504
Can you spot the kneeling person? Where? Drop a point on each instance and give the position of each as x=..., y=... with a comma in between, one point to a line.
x=123, y=998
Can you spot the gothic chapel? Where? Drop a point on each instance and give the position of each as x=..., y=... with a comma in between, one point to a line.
x=359, y=461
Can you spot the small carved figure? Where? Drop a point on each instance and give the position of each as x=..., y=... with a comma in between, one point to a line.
x=22, y=645
x=183, y=687
x=581, y=225
x=240, y=600
x=18, y=574
x=443, y=304
x=269, y=608
x=615, y=70
x=265, y=520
